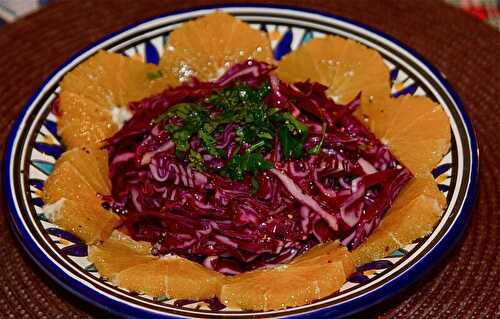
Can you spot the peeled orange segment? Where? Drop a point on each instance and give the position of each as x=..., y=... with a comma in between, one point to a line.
x=326, y=253
x=66, y=181
x=122, y=242
x=422, y=185
x=95, y=95
x=148, y=278
x=316, y=274
x=400, y=228
x=415, y=212
x=85, y=160
x=75, y=205
x=111, y=263
x=282, y=286
x=86, y=223
x=111, y=79
x=206, y=47
x=189, y=280
x=416, y=222
x=83, y=122
x=129, y=264
x=84, y=132
x=101, y=157
x=346, y=67
x=118, y=253
x=416, y=129
x=171, y=276
x=420, y=157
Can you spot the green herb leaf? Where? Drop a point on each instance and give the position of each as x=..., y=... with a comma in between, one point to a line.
x=255, y=185
x=206, y=136
x=317, y=148
x=294, y=125
x=256, y=125
x=181, y=140
x=292, y=133
x=265, y=135
x=154, y=75
x=292, y=147
x=239, y=165
x=255, y=146
x=193, y=115
x=238, y=96
x=196, y=161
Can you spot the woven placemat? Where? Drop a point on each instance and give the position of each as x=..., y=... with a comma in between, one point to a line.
x=465, y=285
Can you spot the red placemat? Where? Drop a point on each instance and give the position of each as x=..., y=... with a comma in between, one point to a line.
x=466, y=51
x=485, y=10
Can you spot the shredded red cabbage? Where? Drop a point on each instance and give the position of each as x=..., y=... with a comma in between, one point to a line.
x=340, y=191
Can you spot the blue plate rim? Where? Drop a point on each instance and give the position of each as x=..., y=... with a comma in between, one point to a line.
x=391, y=288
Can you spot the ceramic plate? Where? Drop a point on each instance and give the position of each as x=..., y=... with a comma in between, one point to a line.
x=34, y=146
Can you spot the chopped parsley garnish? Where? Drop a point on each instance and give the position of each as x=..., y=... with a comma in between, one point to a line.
x=239, y=165
x=255, y=124
x=191, y=116
x=206, y=136
x=154, y=75
x=317, y=148
x=196, y=161
x=292, y=135
x=292, y=146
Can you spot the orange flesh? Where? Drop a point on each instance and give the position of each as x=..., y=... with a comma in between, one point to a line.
x=283, y=286
x=314, y=275
x=118, y=253
x=83, y=122
x=111, y=79
x=81, y=212
x=86, y=223
x=206, y=47
x=173, y=278
x=327, y=253
x=130, y=265
x=414, y=214
x=415, y=128
x=67, y=182
x=91, y=91
x=346, y=67
x=86, y=161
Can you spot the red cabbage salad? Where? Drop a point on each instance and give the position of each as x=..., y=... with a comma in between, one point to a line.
x=248, y=171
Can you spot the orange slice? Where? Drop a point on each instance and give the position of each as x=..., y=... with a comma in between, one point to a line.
x=66, y=181
x=87, y=162
x=95, y=95
x=326, y=253
x=83, y=121
x=173, y=277
x=111, y=79
x=73, y=204
x=89, y=224
x=129, y=264
x=206, y=47
x=282, y=286
x=415, y=212
x=346, y=67
x=118, y=253
x=314, y=275
x=423, y=185
x=416, y=130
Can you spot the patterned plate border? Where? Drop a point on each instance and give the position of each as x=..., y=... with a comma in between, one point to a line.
x=390, y=282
